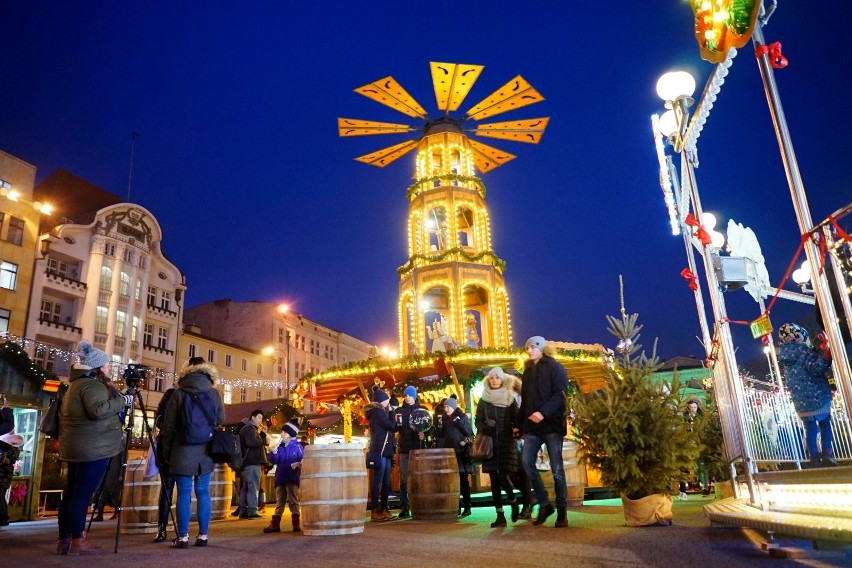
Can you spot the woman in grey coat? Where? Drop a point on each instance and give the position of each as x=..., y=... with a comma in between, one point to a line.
x=189, y=462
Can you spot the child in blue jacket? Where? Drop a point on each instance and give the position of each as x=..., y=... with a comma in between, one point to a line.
x=288, y=461
x=805, y=371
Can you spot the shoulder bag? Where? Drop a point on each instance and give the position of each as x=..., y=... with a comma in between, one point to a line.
x=483, y=445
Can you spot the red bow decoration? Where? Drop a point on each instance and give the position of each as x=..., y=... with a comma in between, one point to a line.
x=823, y=342
x=17, y=494
x=312, y=431
x=776, y=60
x=691, y=279
x=700, y=233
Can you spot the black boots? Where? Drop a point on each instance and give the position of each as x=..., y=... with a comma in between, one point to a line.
x=561, y=517
x=274, y=525
x=465, y=512
x=296, y=526
x=544, y=511
x=525, y=513
x=500, y=522
x=405, y=513
x=516, y=514
x=161, y=535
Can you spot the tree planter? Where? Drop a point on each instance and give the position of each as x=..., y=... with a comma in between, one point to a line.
x=648, y=511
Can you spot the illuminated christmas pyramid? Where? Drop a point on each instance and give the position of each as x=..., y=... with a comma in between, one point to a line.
x=451, y=290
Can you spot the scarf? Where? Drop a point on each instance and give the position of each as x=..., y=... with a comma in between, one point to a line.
x=498, y=397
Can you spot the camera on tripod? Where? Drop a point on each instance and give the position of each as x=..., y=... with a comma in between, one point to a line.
x=134, y=374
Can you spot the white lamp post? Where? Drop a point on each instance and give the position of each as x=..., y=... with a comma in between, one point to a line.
x=676, y=90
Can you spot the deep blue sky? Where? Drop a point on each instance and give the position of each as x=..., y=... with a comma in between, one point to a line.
x=239, y=159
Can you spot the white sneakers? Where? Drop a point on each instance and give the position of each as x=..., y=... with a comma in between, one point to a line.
x=682, y=496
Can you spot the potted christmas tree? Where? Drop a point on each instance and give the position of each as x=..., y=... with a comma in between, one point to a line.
x=634, y=432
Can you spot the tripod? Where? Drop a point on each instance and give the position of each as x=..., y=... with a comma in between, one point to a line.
x=128, y=430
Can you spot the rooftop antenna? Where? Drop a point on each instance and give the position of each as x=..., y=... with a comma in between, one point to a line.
x=133, y=136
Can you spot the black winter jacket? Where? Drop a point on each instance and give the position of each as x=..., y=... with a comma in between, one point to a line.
x=409, y=439
x=382, y=439
x=505, y=457
x=456, y=428
x=543, y=389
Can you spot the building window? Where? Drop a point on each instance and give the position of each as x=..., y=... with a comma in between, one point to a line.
x=242, y=394
x=5, y=316
x=137, y=293
x=120, y=323
x=163, y=338
x=106, y=278
x=228, y=360
x=280, y=365
x=191, y=353
x=159, y=380
x=211, y=356
x=280, y=392
x=148, y=335
x=8, y=275
x=260, y=368
x=258, y=396
x=15, y=232
x=109, y=249
x=134, y=329
x=166, y=300
x=280, y=335
x=226, y=399
x=101, y=314
x=124, y=284
x=152, y=296
x=331, y=351
x=57, y=266
x=50, y=311
x=244, y=366
x=46, y=357
x=128, y=256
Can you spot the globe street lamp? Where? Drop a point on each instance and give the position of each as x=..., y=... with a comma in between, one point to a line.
x=676, y=90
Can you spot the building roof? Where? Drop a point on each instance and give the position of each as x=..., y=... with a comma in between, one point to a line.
x=74, y=200
x=682, y=363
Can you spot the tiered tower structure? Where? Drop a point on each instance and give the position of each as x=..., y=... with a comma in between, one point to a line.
x=451, y=291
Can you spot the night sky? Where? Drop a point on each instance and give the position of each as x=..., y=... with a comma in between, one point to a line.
x=238, y=155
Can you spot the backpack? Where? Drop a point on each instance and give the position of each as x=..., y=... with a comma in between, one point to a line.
x=197, y=416
x=226, y=448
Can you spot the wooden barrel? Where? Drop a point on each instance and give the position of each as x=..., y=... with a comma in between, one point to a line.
x=333, y=489
x=433, y=484
x=139, y=502
x=221, y=488
x=574, y=474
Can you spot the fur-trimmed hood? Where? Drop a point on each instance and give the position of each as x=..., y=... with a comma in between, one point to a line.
x=204, y=368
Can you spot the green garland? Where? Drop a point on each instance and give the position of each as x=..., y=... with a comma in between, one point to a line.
x=415, y=188
x=415, y=362
x=17, y=358
x=498, y=262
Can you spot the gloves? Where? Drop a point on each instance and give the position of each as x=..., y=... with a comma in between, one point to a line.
x=296, y=465
x=128, y=399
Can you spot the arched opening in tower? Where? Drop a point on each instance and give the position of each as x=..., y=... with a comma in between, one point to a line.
x=475, y=303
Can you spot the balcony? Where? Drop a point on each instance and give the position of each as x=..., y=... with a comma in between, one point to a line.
x=74, y=287
x=162, y=311
x=156, y=349
x=61, y=331
x=104, y=297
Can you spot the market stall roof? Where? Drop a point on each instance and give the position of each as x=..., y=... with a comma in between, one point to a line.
x=585, y=364
x=234, y=413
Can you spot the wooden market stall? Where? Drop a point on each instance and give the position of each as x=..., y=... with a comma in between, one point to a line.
x=439, y=375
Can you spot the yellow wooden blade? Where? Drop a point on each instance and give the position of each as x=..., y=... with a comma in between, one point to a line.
x=452, y=83
x=358, y=127
x=390, y=93
x=488, y=157
x=529, y=131
x=385, y=156
x=515, y=94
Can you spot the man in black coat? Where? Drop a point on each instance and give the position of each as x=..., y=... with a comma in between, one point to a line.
x=408, y=439
x=541, y=420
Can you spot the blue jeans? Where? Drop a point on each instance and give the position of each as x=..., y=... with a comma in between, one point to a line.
x=553, y=441
x=202, y=497
x=249, y=486
x=83, y=480
x=818, y=424
x=381, y=484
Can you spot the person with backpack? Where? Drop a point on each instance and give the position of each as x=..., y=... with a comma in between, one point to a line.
x=253, y=441
x=193, y=413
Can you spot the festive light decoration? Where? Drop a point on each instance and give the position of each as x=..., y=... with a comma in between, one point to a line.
x=723, y=24
x=15, y=356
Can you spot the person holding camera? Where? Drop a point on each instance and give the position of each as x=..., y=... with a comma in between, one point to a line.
x=90, y=432
x=167, y=485
x=408, y=439
x=189, y=462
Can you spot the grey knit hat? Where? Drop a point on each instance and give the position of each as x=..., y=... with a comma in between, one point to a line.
x=536, y=341
x=92, y=356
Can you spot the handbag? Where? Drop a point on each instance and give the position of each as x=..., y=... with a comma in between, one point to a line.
x=483, y=446
x=50, y=421
x=151, y=468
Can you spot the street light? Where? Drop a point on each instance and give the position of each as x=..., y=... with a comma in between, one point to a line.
x=676, y=90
